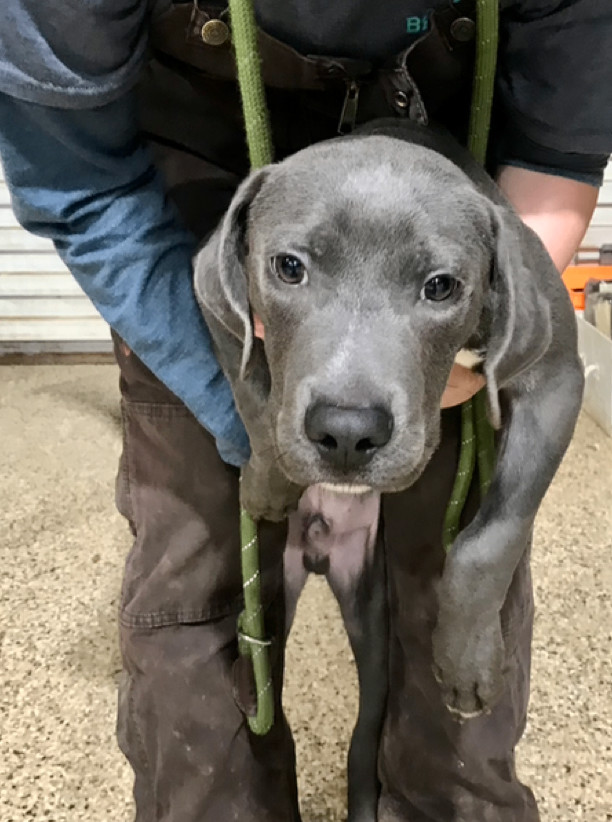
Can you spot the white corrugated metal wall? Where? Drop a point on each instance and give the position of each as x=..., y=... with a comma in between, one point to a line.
x=42, y=309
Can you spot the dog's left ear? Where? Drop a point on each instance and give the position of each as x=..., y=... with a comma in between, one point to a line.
x=220, y=279
x=521, y=328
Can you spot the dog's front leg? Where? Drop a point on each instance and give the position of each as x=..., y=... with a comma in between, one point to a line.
x=265, y=492
x=295, y=576
x=357, y=578
x=468, y=648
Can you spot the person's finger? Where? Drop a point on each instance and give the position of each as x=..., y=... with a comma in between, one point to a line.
x=258, y=328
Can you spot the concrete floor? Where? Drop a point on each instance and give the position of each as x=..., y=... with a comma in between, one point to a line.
x=61, y=551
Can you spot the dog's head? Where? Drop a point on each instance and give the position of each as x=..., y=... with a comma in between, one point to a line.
x=371, y=262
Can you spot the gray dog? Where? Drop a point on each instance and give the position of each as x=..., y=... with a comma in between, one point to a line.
x=374, y=262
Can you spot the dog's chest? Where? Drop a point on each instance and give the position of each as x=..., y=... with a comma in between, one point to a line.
x=338, y=531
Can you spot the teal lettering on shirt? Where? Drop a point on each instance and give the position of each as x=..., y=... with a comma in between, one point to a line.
x=417, y=25
x=420, y=24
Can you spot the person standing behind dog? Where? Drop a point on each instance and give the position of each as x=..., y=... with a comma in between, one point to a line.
x=108, y=106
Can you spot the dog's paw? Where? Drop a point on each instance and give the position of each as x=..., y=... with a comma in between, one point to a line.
x=266, y=494
x=469, y=664
x=260, y=505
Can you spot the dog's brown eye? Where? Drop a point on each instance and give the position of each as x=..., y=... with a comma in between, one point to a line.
x=439, y=287
x=290, y=269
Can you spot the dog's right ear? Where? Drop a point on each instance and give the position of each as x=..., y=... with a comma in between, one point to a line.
x=521, y=329
x=220, y=279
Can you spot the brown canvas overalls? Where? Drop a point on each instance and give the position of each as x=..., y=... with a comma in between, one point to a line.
x=193, y=756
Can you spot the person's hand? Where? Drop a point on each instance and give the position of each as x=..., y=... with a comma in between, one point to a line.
x=258, y=328
x=462, y=384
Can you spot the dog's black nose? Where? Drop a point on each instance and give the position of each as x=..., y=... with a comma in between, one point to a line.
x=347, y=437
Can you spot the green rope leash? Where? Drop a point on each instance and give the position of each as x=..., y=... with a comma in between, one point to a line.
x=487, y=15
x=250, y=80
x=463, y=477
x=477, y=439
x=487, y=20
x=252, y=641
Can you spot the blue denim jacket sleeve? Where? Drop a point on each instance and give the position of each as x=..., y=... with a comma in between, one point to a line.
x=84, y=179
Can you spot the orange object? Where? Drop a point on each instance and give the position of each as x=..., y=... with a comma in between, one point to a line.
x=576, y=277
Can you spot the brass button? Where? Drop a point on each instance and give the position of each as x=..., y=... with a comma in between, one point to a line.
x=215, y=33
x=401, y=99
x=463, y=29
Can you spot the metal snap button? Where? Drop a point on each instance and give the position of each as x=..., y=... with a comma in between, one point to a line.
x=215, y=32
x=401, y=99
x=463, y=29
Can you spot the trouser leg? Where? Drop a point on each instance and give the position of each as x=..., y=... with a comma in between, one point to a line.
x=433, y=768
x=179, y=726
x=193, y=757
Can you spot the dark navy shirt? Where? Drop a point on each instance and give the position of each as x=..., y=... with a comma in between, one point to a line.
x=555, y=71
